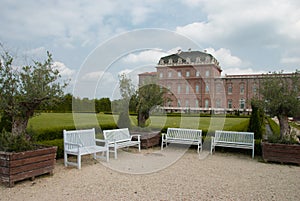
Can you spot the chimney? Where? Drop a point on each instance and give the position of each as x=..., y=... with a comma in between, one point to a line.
x=189, y=49
x=178, y=51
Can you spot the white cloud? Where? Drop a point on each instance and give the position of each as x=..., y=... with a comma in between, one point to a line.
x=225, y=57
x=63, y=69
x=148, y=56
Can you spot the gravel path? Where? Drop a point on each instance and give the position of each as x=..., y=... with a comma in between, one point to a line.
x=222, y=176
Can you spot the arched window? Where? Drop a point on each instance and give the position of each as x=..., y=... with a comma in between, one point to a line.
x=206, y=103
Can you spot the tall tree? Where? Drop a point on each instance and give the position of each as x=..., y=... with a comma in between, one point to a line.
x=149, y=96
x=127, y=90
x=22, y=90
x=281, y=97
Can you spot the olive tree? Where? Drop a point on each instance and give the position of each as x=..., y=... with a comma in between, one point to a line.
x=281, y=94
x=149, y=96
x=23, y=89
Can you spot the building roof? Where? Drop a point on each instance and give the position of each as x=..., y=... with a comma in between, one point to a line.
x=188, y=58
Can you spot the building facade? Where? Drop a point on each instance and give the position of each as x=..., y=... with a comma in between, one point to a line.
x=193, y=82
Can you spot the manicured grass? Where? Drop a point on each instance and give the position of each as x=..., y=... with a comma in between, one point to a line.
x=85, y=120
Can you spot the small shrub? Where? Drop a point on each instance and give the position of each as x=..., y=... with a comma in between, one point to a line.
x=14, y=143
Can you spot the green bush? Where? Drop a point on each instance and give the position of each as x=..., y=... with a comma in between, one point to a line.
x=14, y=143
x=57, y=142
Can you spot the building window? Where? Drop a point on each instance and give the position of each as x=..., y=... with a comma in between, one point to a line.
x=178, y=103
x=179, y=61
x=197, y=73
x=242, y=89
x=196, y=103
x=207, y=73
x=161, y=62
x=229, y=104
x=242, y=103
x=170, y=74
x=187, y=73
x=169, y=88
x=187, y=89
x=198, y=60
x=179, y=89
x=218, y=88
x=254, y=88
x=218, y=103
x=206, y=88
x=197, y=88
x=161, y=75
x=230, y=89
x=170, y=61
x=187, y=103
x=179, y=73
x=188, y=60
x=206, y=103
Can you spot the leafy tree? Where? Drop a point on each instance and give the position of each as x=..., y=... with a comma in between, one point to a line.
x=281, y=98
x=23, y=90
x=103, y=105
x=127, y=90
x=149, y=96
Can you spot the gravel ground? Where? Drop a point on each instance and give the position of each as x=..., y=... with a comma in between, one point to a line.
x=146, y=176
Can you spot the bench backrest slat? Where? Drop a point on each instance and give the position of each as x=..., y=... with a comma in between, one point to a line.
x=82, y=137
x=182, y=133
x=117, y=135
x=232, y=136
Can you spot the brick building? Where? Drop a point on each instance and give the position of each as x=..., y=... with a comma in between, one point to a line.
x=194, y=83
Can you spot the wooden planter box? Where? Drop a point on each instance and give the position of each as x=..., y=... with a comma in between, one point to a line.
x=28, y=164
x=148, y=139
x=283, y=153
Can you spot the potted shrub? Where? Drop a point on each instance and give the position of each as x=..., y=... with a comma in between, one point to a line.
x=22, y=91
x=281, y=99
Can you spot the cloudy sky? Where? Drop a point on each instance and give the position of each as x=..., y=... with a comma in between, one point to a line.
x=245, y=36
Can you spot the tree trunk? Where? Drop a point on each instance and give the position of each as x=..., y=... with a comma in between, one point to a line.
x=285, y=128
x=142, y=118
x=19, y=125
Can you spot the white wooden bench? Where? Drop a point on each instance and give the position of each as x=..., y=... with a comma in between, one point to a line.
x=243, y=140
x=119, y=138
x=82, y=142
x=182, y=136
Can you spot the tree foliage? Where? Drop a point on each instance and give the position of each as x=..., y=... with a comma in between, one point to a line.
x=127, y=90
x=281, y=94
x=24, y=89
x=149, y=96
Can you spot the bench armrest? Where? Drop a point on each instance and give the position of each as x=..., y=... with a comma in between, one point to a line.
x=138, y=136
x=104, y=141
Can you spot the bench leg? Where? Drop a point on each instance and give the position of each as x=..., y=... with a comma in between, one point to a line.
x=107, y=155
x=115, y=150
x=253, y=153
x=66, y=159
x=79, y=161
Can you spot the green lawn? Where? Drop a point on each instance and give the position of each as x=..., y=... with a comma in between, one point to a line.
x=84, y=120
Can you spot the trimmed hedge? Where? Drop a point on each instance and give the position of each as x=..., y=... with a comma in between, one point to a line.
x=57, y=132
x=57, y=142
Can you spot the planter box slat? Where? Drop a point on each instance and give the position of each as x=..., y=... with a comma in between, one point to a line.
x=25, y=161
x=283, y=153
x=23, y=165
